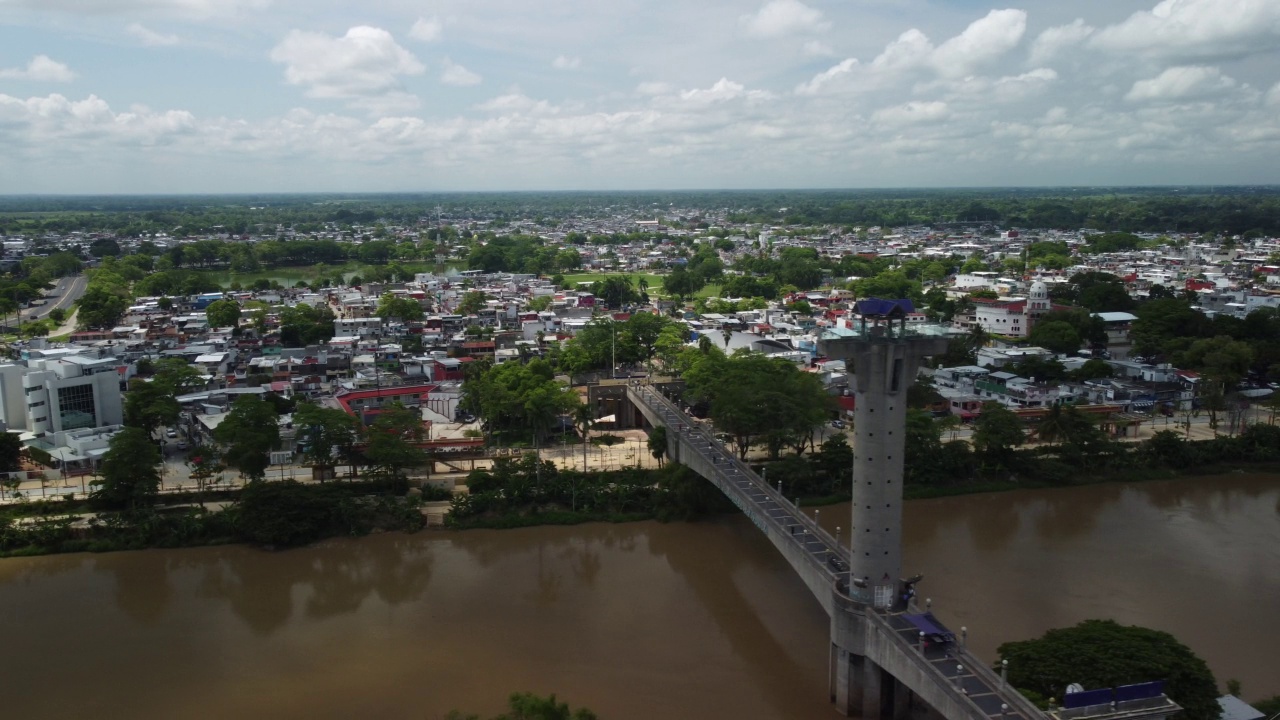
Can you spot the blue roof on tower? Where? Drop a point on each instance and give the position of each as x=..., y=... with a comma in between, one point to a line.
x=884, y=308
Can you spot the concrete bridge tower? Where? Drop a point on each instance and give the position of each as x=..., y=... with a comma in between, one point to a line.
x=885, y=351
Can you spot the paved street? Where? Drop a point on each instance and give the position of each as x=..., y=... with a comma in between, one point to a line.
x=64, y=295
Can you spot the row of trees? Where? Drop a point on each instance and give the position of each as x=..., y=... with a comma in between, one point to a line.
x=755, y=398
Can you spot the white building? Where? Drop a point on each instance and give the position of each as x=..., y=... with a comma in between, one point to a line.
x=54, y=395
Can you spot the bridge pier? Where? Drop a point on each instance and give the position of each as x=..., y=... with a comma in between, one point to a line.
x=861, y=688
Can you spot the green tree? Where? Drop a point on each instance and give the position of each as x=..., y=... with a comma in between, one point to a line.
x=399, y=307
x=1102, y=654
x=130, y=478
x=100, y=308
x=1056, y=336
x=223, y=313
x=392, y=441
x=1092, y=369
x=204, y=466
x=616, y=290
x=58, y=315
x=302, y=325
x=756, y=398
x=149, y=405
x=923, y=447
x=248, y=433
x=1161, y=324
x=527, y=706
x=517, y=398
x=658, y=444
x=327, y=435
x=177, y=377
x=471, y=303
x=996, y=433
x=10, y=452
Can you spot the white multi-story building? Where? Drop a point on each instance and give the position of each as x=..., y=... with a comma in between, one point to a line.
x=57, y=394
x=1015, y=316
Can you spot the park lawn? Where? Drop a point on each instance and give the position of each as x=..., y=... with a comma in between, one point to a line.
x=289, y=276
x=655, y=283
x=709, y=290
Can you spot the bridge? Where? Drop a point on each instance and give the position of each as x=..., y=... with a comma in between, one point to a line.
x=884, y=652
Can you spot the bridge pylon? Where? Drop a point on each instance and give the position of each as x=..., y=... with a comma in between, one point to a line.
x=885, y=352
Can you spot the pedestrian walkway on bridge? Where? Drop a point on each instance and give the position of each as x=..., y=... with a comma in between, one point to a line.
x=948, y=664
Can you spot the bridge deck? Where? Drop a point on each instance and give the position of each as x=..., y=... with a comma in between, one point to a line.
x=762, y=503
x=977, y=688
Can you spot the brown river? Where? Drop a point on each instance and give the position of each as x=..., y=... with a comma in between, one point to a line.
x=640, y=620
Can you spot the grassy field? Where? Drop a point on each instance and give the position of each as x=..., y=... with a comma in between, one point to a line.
x=655, y=282
x=289, y=276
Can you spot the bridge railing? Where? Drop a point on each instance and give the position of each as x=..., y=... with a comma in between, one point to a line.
x=1018, y=704
x=662, y=405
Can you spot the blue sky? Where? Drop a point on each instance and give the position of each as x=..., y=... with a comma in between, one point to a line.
x=125, y=96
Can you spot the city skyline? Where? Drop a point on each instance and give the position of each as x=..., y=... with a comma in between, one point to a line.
x=196, y=96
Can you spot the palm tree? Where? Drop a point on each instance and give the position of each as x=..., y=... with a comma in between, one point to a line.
x=727, y=332
x=583, y=419
x=658, y=444
x=1052, y=426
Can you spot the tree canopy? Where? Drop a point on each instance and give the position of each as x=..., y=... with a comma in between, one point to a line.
x=1103, y=653
x=130, y=477
x=223, y=313
x=756, y=398
x=517, y=398
x=249, y=432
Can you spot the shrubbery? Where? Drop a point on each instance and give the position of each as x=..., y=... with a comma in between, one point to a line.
x=528, y=491
x=268, y=514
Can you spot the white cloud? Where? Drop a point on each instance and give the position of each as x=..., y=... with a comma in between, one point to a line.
x=41, y=68
x=724, y=89
x=912, y=113
x=454, y=74
x=958, y=109
x=844, y=67
x=783, y=17
x=984, y=40
x=1056, y=39
x=150, y=37
x=56, y=119
x=564, y=62
x=427, y=30
x=912, y=48
x=365, y=63
x=514, y=102
x=817, y=48
x=1197, y=28
x=653, y=87
x=1190, y=82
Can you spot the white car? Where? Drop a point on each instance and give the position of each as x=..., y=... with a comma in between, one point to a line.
x=171, y=433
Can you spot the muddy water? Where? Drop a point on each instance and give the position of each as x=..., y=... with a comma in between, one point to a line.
x=1198, y=557
x=635, y=621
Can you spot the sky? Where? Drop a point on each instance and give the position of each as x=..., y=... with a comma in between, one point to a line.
x=228, y=96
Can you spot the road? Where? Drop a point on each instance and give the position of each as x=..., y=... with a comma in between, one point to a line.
x=64, y=294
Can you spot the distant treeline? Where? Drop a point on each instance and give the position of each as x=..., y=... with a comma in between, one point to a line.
x=1232, y=210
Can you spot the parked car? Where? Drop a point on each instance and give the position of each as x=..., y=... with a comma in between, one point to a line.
x=837, y=424
x=171, y=433
x=182, y=444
